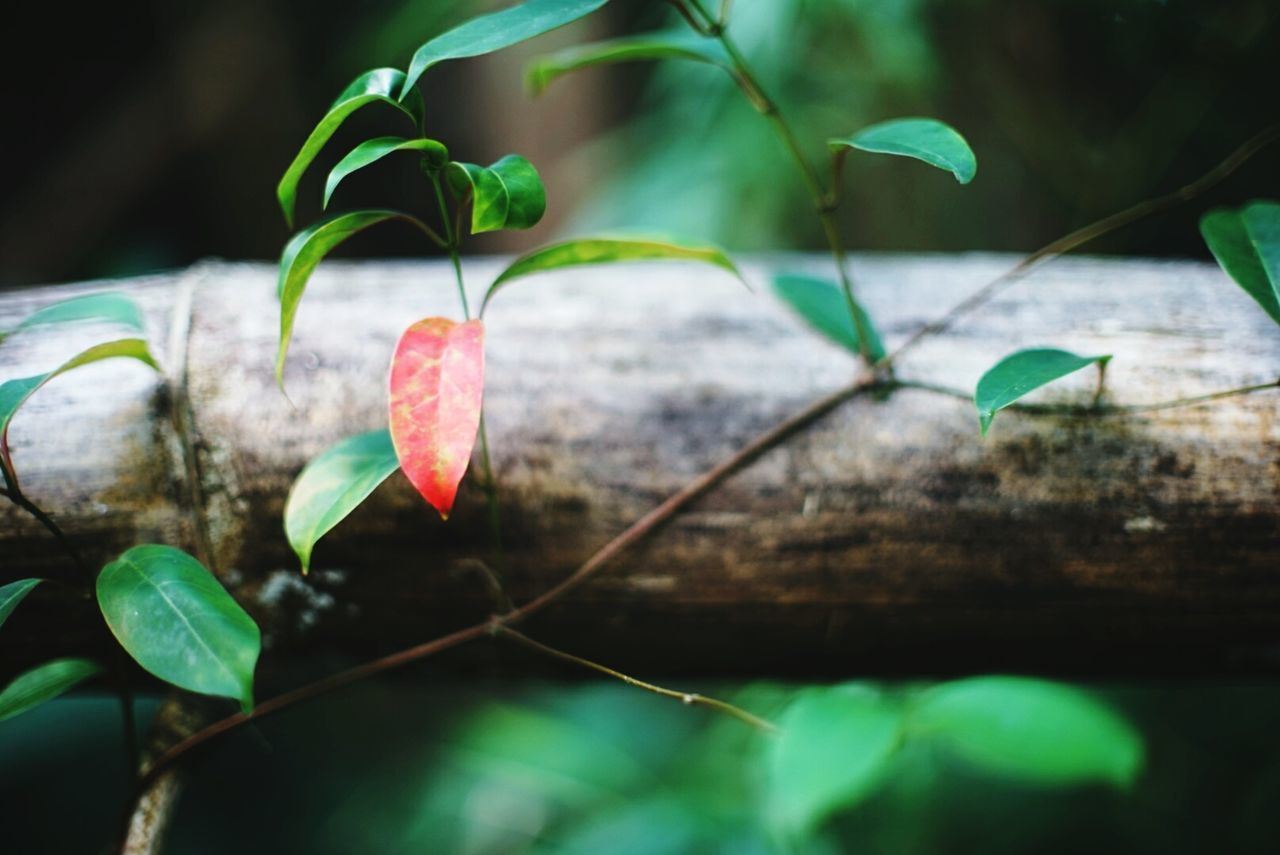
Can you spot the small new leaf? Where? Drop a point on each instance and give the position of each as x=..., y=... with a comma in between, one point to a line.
x=1247, y=245
x=507, y=194
x=14, y=393
x=1021, y=373
x=371, y=151
x=832, y=747
x=43, y=683
x=823, y=306
x=928, y=140
x=333, y=485
x=677, y=44
x=12, y=594
x=377, y=86
x=495, y=31
x=1034, y=730
x=583, y=251
x=115, y=309
x=178, y=622
x=437, y=388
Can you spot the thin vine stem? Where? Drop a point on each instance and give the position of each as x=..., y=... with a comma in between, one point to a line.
x=636, y=532
x=687, y=698
x=1097, y=409
x=1085, y=235
x=453, y=231
x=14, y=494
x=824, y=200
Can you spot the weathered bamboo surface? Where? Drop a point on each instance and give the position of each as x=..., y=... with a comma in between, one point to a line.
x=887, y=538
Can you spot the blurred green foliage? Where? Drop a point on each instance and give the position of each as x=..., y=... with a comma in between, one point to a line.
x=156, y=136
x=484, y=767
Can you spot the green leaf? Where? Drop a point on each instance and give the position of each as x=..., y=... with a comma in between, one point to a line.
x=307, y=249
x=1030, y=729
x=179, y=623
x=103, y=308
x=12, y=594
x=833, y=745
x=377, y=86
x=528, y=198
x=14, y=393
x=929, y=140
x=676, y=44
x=822, y=304
x=489, y=199
x=583, y=251
x=1247, y=245
x=371, y=151
x=507, y=194
x=43, y=683
x=495, y=31
x=334, y=484
x=1023, y=372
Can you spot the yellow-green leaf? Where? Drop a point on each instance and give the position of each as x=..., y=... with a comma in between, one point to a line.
x=334, y=484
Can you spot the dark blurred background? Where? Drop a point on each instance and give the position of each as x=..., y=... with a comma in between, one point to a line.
x=143, y=136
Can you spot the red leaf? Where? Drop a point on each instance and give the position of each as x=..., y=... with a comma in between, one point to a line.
x=437, y=386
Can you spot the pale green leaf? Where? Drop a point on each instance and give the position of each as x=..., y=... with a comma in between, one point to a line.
x=176, y=620
x=495, y=31
x=334, y=484
x=14, y=393
x=371, y=151
x=1023, y=372
x=822, y=304
x=1029, y=729
x=584, y=251
x=677, y=44
x=12, y=594
x=928, y=140
x=1247, y=245
x=115, y=309
x=833, y=745
x=43, y=683
x=377, y=86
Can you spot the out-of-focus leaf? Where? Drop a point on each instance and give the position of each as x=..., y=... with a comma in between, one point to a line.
x=823, y=306
x=495, y=31
x=178, y=622
x=371, y=151
x=14, y=393
x=43, y=683
x=333, y=485
x=1247, y=245
x=377, y=86
x=1023, y=372
x=929, y=140
x=677, y=44
x=833, y=746
x=12, y=594
x=437, y=388
x=583, y=251
x=1031, y=729
x=307, y=249
x=108, y=308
